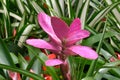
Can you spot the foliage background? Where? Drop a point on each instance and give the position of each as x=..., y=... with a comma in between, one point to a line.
x=100, y=17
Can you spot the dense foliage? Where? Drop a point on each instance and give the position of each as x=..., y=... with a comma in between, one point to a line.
x=19, y=22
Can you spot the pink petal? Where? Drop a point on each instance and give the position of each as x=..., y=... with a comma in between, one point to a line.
x=84, y=51
x=60, y=27
x=75, y=25
x=75, y=36
x=53, y=62
x=75, y=33
x=39, y=43
x=58, y=46
x=45, y=22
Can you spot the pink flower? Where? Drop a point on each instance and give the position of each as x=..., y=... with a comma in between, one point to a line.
x=62, y=39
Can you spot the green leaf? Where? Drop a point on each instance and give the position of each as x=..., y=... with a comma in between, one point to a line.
x=21, y=27
x=25, y=32
x=30, y=65
x=111, y=67
x=93, y=64
x=106, y=44
x=62, y=5
x=1, y=77
x=57, y=7
x=14, y=58
x=70, y=10
x=115, y=11
x=20, y=6
x=5, y=57
x=14, y=15
x=88, y=78
x=115, y=72
x=35, y=6
x=96, y=38
x=102, y=13
x=36, y=67
x=22, y=62
x=42, y=58
x=106, y=54
x=109, y=48
x=84, y=13
x=108, y=66
x=78, y=7
x=110, y=77
x=22, y=22
x=24, y=72
x=6, y=18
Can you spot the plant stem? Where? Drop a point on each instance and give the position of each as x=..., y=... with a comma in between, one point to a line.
x=64, y=71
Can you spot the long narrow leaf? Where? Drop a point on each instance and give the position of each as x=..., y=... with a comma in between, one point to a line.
x=93, y=64
x=57, y=7
x=62, y=5
x=78, y=7
x=97, y=37
x=17, y=17
x=84, y=13
x=8, y=28
x=35, y=6
x=20, y=6
x=42, y=58
x=102, y=13
x=24, y=36
x=70, y=11
x=5, y=57
x=115, y=12
x=24, y=72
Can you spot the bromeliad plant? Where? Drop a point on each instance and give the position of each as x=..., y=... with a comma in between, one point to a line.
x=63, y=41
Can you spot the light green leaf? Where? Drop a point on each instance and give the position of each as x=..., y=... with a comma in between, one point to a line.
x=110, y=77
x=84, y=13
x=23, y=63
x=5, y=57
x=6, y=18
x=115, y=11
x=20, y=6
x=2, y=78
x=36, y=6
x=24, y=72
x=102, y=13
x=88, y=78
x=79, y=5
x=25, y=34
x=93, y=39
x=70, y=11
x=42, y=58
x=57, y=7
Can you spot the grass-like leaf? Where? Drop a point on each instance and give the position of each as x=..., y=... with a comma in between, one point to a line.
x=5, y=57
x=24, y=72
x=102, y=13
x=42, y=58
x=84, y=13
x=97, y=37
